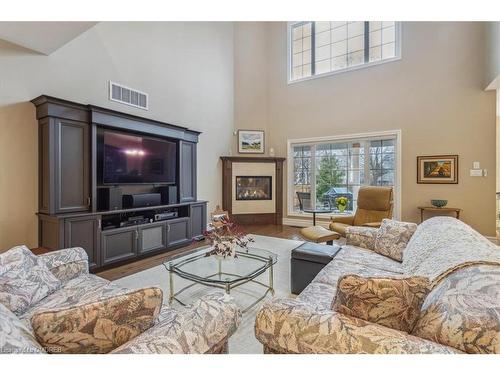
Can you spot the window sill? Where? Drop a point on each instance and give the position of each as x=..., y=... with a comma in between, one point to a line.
x=349, y=69
x=304, y=215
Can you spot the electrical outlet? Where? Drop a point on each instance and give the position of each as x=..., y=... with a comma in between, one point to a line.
x=476, y=165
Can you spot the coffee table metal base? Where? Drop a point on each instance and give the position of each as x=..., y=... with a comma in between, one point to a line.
x=227, y=287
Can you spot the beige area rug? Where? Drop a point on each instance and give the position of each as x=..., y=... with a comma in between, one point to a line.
x=243, y=341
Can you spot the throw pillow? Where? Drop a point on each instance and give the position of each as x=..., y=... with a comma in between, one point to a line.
x=24, y=279
x=100, y=326
x=392, y=238
x=391, y=302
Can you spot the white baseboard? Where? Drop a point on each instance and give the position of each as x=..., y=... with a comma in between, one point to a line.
x=298, y=222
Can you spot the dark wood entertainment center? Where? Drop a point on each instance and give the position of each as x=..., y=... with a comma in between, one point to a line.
x=69, y=214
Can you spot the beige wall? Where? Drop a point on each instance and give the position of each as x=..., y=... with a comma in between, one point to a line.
x=434, y=94
x=186, y=68
x=492, y=71
x=250, y=80
x=18, y=175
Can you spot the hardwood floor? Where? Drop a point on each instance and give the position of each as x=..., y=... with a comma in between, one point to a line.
x=280, y=231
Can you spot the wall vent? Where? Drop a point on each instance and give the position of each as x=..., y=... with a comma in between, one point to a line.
x=126, y=95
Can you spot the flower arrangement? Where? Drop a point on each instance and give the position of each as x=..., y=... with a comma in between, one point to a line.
x=224, y=236
x=341, y=203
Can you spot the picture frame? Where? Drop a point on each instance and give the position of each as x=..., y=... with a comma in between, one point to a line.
x=437, y=169
x=251, y=142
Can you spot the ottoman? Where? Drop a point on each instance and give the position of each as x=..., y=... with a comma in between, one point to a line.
x=319, y=234
x=306, y=262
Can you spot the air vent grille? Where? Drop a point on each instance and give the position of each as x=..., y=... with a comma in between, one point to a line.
x=126, y=95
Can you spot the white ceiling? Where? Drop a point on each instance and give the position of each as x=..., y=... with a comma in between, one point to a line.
x=42, y=37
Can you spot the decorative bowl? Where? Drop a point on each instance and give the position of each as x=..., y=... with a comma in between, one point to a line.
x=439, y=202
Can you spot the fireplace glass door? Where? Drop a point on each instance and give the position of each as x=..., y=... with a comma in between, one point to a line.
x=253, y=188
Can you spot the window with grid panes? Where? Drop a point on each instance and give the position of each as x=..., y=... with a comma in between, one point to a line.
x=327, y=47
x=328, y=170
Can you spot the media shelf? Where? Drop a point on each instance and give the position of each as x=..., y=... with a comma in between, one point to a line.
x=109, y=243
x=70, y=212
x=126, y=218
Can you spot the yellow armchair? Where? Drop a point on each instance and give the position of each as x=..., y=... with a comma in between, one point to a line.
x=374, y=204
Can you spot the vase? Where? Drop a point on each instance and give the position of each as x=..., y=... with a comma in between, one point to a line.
x=341, y=208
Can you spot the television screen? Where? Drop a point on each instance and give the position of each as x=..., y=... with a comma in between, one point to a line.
x=135, y=159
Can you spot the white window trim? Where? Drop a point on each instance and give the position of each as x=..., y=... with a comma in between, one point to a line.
x=387, y=133
x=398, y=27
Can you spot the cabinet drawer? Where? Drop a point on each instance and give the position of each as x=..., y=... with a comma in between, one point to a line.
x=84, y=232
x=198, y=219
x=119, y=244
x=178, y=231
x=152, y=237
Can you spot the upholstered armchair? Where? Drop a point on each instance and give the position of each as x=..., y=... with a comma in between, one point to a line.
x=374, y=204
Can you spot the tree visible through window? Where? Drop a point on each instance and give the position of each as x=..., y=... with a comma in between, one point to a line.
x=329, y=170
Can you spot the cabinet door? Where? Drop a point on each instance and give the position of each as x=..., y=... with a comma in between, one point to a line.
x=119, y=244
x=178, y=231
x=198, y=219
x=84, y=232
x=152, y=237
x=187, y=172
x=71, y=167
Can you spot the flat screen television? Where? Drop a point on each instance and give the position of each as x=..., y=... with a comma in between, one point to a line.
x=130, y=158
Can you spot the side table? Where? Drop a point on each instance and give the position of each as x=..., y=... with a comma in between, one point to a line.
x=438, y=209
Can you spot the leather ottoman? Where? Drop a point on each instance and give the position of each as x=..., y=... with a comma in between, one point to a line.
x=306, y=262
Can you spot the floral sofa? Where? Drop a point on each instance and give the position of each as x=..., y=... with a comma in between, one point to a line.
x=203, y=327
x=461, y=313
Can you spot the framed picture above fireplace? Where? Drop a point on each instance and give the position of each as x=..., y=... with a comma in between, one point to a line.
x=254, y=188
x=251, y=141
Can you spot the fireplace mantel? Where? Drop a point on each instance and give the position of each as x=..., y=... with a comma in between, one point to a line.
x=253, y=211
x=252, y=159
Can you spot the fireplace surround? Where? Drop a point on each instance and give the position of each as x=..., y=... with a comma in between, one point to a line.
x=252, y=189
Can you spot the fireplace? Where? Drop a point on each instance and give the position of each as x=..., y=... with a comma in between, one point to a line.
x=254, y=188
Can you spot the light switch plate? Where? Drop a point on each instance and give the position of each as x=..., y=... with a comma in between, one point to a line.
x=476, y=165
x=476, y=173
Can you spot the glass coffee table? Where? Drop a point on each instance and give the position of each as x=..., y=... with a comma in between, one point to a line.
x=221, y=273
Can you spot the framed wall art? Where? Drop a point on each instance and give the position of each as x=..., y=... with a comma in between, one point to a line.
x=251, y=141
x=439, y=169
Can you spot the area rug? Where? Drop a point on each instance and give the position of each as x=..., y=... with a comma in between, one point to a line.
x=243, y=341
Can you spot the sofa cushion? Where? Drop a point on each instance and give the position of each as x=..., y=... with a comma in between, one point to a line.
x=24, y=279
x=83, y=289
x=15, y=337
x=368, y=258
x=393, y=237
x=321, y=292
x=98, y=327
x=463, y=310
x=441, y=243
x=66, y=264
x=202, y=327
x=391, y=302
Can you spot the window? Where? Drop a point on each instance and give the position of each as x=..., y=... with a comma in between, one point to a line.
x=327, y=47
x=328, y=169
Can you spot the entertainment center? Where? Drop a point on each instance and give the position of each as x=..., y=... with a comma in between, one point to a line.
x=120, y=186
